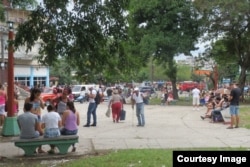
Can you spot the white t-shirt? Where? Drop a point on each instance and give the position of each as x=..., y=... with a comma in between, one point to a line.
x=92, y=100
x=138, y=99
x=51, y=120
x=196, y=92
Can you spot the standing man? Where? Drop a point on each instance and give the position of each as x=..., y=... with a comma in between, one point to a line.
x=234, y=99
x=91, y=108
x=137, y=98
x=196, y=98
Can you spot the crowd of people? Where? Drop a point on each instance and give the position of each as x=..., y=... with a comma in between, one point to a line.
x=61, y=118
x=216, y=102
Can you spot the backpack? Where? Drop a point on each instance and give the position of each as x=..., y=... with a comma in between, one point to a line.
x=97, y=98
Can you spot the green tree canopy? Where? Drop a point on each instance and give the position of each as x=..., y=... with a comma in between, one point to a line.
x=163, y=29
x=228, y=21
x=89, y=36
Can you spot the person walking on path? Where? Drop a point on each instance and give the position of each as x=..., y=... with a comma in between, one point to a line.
x=196, y=98
x=70, y=121
x=91, y=108
x=234, y=99
x=116, y=103
x=137, y=98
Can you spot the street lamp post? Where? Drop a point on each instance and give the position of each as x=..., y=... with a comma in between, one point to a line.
x=10, y=124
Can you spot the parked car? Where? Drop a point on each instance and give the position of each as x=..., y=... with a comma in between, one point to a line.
x=148, y=89
x=81, y=90
x=49, y=94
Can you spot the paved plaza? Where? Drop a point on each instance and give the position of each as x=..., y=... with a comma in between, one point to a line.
x=166, y=127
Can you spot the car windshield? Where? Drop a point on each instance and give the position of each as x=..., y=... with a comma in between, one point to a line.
x=76, y=88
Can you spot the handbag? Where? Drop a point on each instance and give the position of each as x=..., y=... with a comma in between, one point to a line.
x=108, y=112
x=122, y=115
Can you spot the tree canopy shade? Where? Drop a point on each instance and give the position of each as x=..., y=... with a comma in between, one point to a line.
x=163, y=29
x=229, y=21
x=89, y=36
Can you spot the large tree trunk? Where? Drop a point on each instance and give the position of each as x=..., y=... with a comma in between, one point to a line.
x=242, y=79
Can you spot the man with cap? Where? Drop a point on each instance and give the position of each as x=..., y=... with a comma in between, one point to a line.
x=91, y=108
x=137, y=98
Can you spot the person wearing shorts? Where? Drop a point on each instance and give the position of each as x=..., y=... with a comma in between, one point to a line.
x=196, y=98
x=234, y=105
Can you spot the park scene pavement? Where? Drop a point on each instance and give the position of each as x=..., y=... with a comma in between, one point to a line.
x=166, y=127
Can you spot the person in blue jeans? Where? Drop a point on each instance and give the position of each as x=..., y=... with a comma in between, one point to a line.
x=91, y=108
x=137, y=98
x=234, y=105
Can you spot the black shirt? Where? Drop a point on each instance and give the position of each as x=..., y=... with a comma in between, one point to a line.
x=109, y=92
x=235, y=94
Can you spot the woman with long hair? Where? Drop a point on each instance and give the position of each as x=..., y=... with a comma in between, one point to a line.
x=70, y=121
x=37, y=104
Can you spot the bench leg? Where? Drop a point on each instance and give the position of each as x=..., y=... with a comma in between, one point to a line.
x=63, y=148
x=29, y=151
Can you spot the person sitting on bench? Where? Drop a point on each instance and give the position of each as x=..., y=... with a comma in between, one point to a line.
x=29, y=125
x=220, y=104
x=70, y=121
x=51, y=122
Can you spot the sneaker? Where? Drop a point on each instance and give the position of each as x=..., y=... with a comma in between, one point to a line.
x=86, y=125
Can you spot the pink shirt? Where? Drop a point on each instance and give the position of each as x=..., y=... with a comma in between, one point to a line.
x=2, y=98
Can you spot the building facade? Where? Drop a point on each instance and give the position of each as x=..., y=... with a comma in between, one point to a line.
x=27, y=71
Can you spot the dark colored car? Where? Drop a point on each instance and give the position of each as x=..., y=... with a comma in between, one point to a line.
x=147, y=89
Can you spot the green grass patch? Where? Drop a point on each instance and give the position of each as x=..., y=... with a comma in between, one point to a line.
x=245, y=117
x=136, y=158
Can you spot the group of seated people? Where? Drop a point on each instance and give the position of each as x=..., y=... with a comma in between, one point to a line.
x=61, y=118
x=215, y=104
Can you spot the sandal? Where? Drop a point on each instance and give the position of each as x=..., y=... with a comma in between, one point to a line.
x=230, y=127
x=40, y=151
x=73, y=149
x=236, y=126
x=51, y=151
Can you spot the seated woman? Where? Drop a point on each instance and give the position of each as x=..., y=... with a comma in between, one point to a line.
x=51, y=122
x=70, y=121
x=210, y=107
x=220, y=104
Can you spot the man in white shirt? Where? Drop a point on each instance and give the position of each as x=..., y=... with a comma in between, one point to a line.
x=91, y=108
x=196, y=98
x=137, y=99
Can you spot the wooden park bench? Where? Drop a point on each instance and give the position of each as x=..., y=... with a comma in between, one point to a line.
x=62, y=143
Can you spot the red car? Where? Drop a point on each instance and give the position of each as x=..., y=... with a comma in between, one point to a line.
x=49, y=94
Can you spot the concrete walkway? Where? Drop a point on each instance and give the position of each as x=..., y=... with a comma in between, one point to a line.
x=166, y=127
